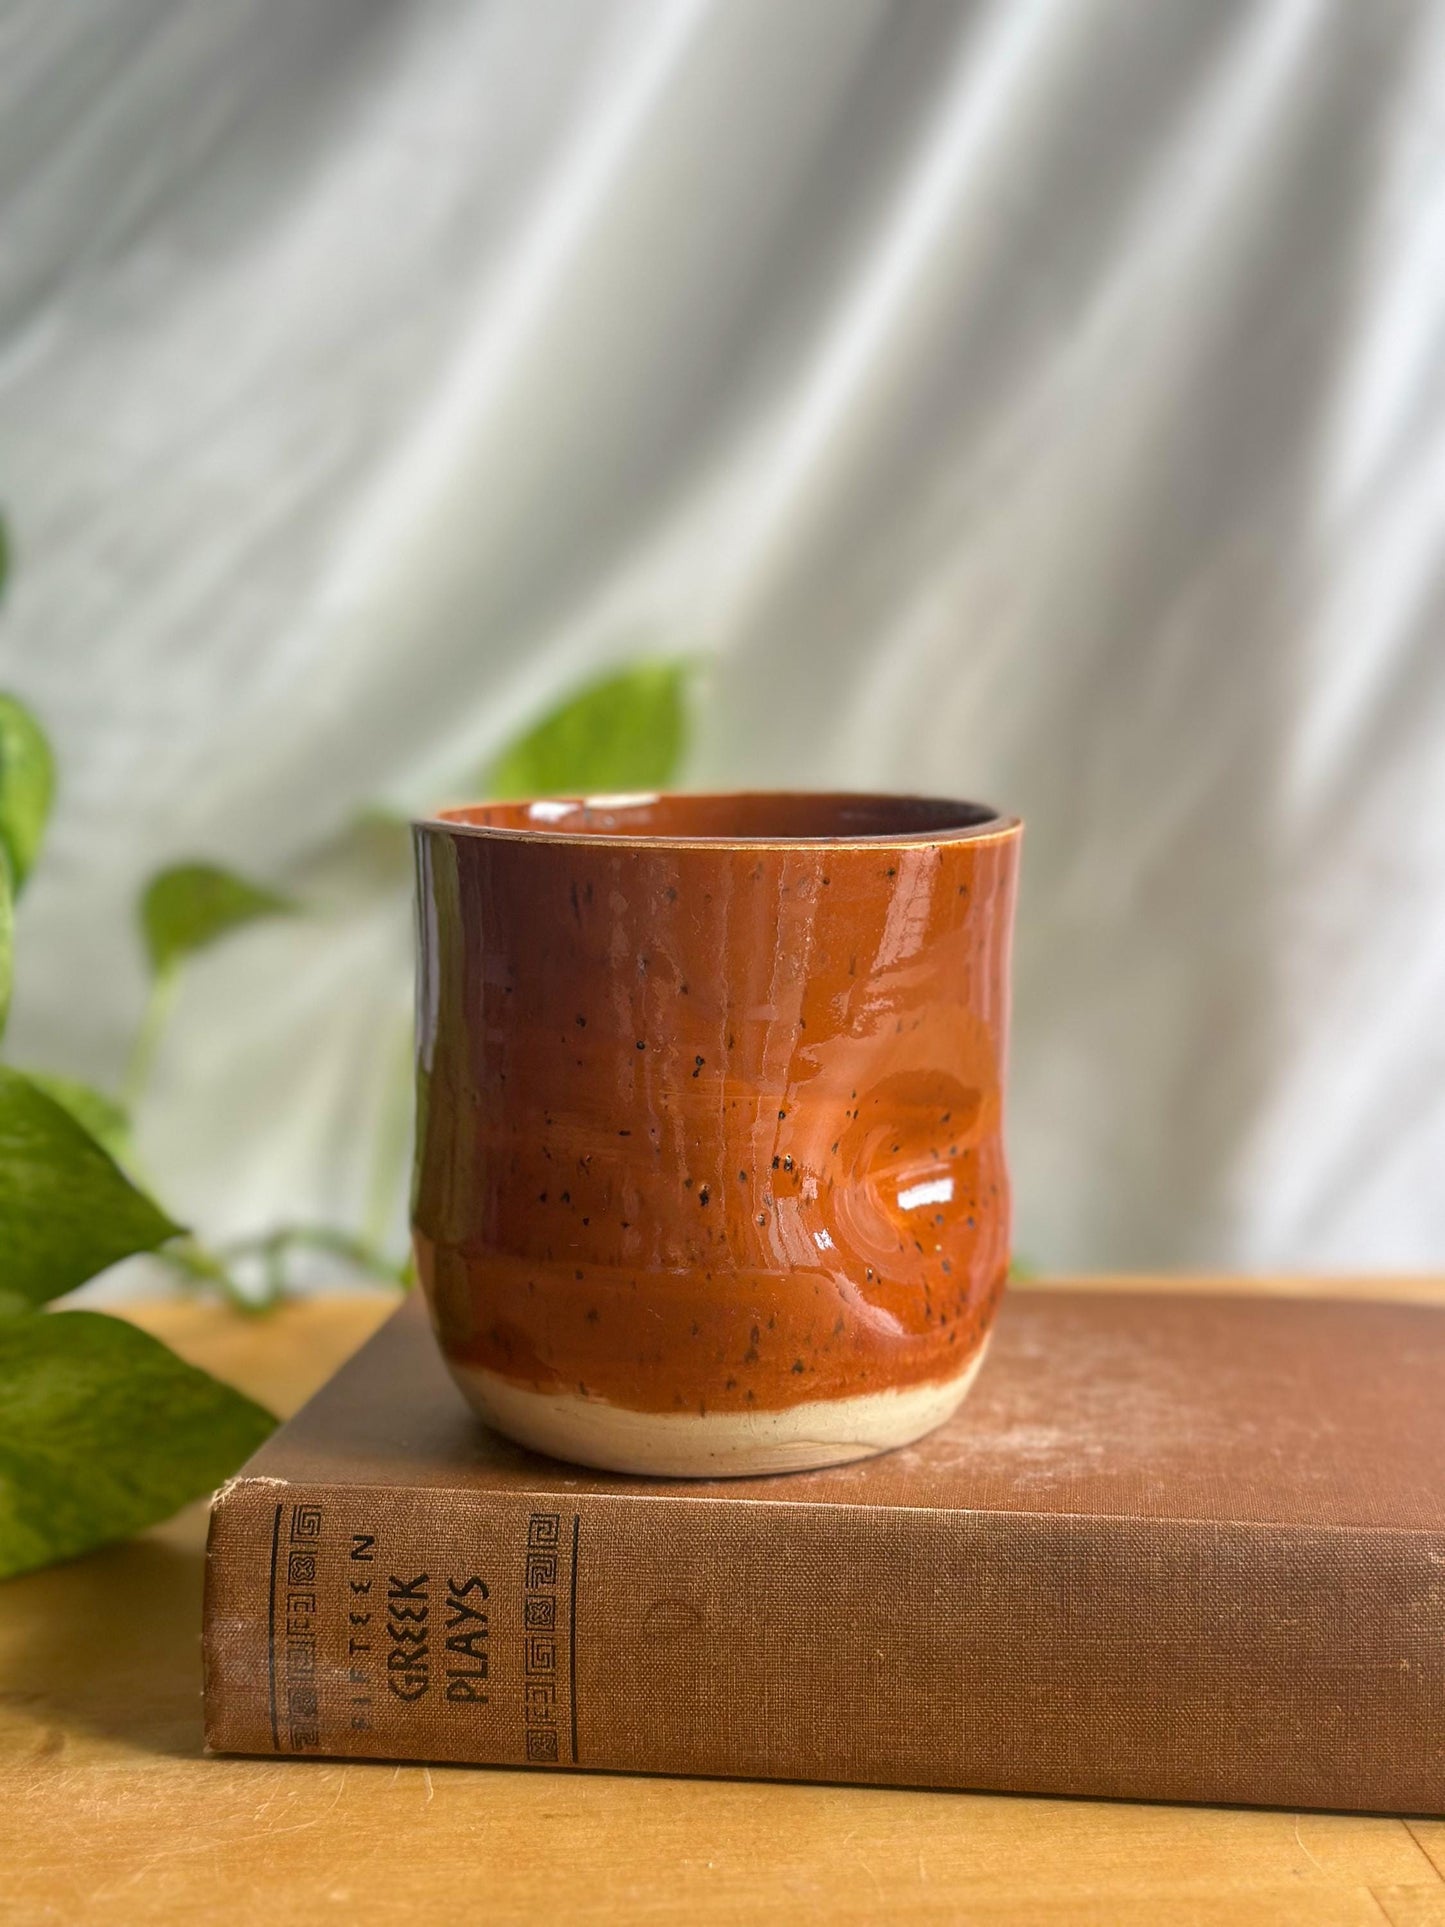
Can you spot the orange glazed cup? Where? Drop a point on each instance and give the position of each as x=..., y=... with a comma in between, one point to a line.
x=710, y=1172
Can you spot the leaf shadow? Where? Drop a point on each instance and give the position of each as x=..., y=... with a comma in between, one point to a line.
x=109, y=1646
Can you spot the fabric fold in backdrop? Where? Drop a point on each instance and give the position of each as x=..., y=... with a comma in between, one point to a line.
x=1040, y=400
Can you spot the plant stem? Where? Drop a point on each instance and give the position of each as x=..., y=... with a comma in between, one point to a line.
x=201, y=1267
x=148, y=1037
x=359, y=1251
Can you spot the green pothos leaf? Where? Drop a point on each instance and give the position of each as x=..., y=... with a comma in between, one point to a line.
x=104, y=1431
x=194, y=904
x=27, y=787
x=95, y=1111
x=67, y=1211
x=7, y=940
x=626, y=731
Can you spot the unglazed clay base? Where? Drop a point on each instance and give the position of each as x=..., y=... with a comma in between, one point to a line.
x=715, y=1445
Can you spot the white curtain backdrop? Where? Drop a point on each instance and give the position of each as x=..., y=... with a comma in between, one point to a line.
x=1041, y=400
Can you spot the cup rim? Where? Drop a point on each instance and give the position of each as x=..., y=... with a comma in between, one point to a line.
x=546, y=820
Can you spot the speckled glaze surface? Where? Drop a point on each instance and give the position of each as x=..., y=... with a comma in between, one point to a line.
x=710, y=1173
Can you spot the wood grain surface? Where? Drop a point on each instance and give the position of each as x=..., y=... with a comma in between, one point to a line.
x=109, y=1811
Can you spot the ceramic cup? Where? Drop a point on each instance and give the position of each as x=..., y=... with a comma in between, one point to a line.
x=710, y=1172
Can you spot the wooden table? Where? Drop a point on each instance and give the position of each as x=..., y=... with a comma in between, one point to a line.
x=108, y=1811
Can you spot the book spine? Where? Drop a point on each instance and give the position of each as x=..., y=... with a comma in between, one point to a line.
x=1159, y=1659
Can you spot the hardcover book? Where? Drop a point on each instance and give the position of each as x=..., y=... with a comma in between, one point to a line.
x=1173, y=1547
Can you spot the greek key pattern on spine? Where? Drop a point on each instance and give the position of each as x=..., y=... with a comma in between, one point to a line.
x=297, y=1705
x=539, y=1637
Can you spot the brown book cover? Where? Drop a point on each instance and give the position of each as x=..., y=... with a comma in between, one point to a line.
x=1172, y=1547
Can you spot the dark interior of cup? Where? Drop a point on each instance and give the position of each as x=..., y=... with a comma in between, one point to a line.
x=765, y=816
